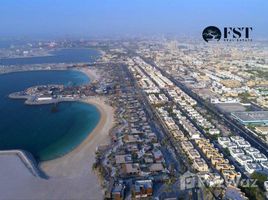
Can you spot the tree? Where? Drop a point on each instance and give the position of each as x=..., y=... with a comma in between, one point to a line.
x=256, y=192
x=261, y=178
x=226, y=151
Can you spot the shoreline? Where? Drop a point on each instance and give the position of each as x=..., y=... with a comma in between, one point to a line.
x=67, y=177
x=31, y=99
x=77, y=164
x=71, y=175
x=89, y=72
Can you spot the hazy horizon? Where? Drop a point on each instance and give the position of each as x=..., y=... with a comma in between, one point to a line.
x=119, y=18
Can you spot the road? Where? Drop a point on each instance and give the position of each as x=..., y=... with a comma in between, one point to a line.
x=235, y=126
x=231, y=123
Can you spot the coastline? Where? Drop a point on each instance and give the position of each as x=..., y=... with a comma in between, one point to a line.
x=71, y=176
x=91, y=73
x=77, y=164
x=68, y=177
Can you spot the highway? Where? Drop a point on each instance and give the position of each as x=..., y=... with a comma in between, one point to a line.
x=235, y=126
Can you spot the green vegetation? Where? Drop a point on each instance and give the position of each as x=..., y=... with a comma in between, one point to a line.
x=134, y=156
x=97, y=166
x=164, y=142
x=205, y=129
x=263, y=74
x=226, y=151
x=256, y=192
x=170, y=110
x=260, y=179
x=213, y=137
x=259, y=73
x=244, y=97
x=253, y=193
x=209, y=117
x=251, y=127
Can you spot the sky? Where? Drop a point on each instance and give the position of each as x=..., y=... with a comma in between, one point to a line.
x=102, y=18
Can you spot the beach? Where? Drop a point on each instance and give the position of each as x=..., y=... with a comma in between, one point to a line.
x=69, y=176
x=91, y=73
x=77, y=164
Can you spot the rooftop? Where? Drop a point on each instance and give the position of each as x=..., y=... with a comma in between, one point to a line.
x=251, y=150
x=244, y=157
x=254, y=166
x=252, y=116
x=237, y=138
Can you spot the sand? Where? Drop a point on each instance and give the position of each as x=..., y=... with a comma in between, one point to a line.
x=70, y=176
x=85, y=152
x=90, y=72
x=78, y=163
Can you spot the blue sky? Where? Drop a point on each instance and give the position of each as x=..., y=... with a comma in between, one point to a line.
x=128, y=17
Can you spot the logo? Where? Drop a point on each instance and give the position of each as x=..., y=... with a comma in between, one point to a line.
x=190, y=180
x=230, y=34
x=211, y=33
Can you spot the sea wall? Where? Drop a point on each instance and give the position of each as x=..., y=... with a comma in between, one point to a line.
x=27, y=159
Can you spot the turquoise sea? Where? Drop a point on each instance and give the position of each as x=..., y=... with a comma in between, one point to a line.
x=45, y=134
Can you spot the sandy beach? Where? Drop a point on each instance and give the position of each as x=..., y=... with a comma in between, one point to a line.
x=69, y=176
x=78, y=163
x=90, y=72
x=67, y=164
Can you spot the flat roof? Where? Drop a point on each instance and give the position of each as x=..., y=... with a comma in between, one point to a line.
x=252, y=116
x=254, y=166
x=231, y=107
x=230, y=144
x=235, y=151
x=264, y=164
x=251, y=150
x=243, y=142
x=259, y=155
x=223, y=139
x=237, y=138
x=244, y=157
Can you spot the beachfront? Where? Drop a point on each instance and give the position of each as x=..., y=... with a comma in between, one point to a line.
x=70, y=176
x=78, y=163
